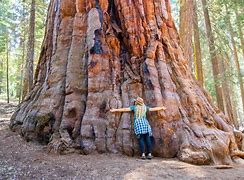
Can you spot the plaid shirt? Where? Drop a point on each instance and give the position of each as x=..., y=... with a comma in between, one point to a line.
x=141, y=125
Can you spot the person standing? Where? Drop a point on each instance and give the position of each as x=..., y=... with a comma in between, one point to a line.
x=142, y=127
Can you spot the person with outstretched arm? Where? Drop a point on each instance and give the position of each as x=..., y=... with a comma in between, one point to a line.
x=142, y=127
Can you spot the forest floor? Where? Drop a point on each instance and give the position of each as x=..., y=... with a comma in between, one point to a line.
x=22, y=160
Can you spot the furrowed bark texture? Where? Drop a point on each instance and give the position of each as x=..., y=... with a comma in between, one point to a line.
x=97, y=55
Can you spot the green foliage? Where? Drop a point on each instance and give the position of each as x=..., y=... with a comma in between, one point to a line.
x=14, y=17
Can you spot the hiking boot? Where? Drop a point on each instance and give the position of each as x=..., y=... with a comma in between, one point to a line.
x=143, y=156
x=149, y=156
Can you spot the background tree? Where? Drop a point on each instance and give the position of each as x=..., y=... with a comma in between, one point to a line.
x=4, y=47
x=239, y=22
x=28, y=72
x=222, y=45
x=235, y=55
x=230, y=109
x=214, y=56
x=14, y=21
x=186, y=29
x=197, y=45
x=7, y=67
x=227, y=44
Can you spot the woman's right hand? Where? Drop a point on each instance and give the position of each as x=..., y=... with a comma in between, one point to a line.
x=112, y=110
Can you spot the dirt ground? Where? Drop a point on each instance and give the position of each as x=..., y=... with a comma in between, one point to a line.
x=22, y=160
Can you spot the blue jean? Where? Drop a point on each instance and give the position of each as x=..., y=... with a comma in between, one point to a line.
x=144, y=141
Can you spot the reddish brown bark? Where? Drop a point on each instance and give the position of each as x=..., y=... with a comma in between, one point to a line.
x=98, y=55
x=186, y=29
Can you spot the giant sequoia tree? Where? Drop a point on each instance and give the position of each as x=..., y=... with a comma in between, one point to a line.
x=97, y=55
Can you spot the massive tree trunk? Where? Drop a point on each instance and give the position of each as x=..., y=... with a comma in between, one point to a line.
x=98, y=55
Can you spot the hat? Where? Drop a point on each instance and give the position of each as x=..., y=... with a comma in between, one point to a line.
x=139, y=101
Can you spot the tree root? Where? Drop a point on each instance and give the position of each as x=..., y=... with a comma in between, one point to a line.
x=237, y=153
x=61, y=146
